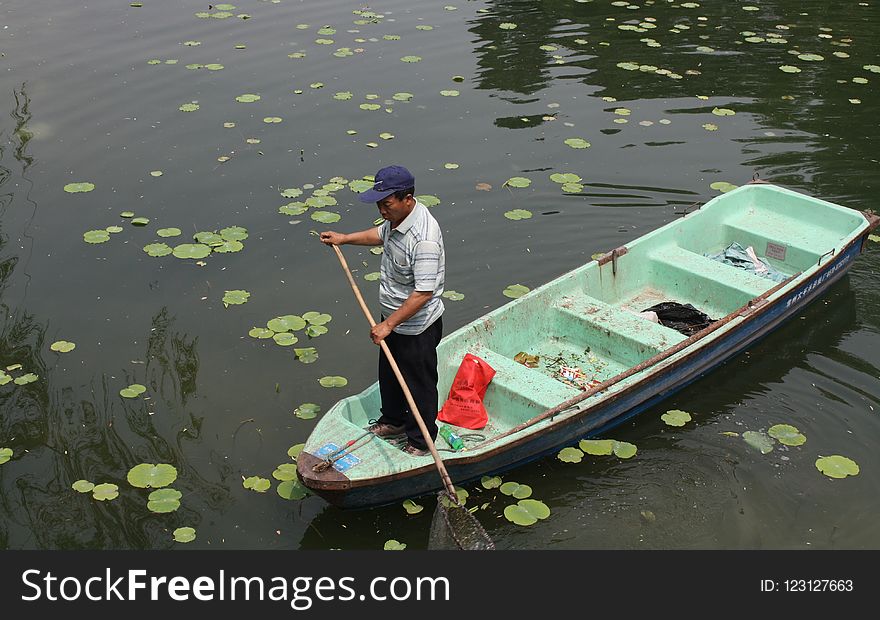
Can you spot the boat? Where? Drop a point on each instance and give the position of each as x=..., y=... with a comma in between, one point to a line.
x=594, y=318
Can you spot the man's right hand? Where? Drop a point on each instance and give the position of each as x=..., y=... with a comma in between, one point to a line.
x=330, y=237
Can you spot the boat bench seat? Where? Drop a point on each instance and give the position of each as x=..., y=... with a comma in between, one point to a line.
x=522, y=383
x=710, y=272
x=808, y=237
x=632, y=338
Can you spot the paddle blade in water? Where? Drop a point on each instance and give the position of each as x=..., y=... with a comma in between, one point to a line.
x=454, y=527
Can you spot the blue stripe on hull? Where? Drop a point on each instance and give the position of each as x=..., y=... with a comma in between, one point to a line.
x=622, y=409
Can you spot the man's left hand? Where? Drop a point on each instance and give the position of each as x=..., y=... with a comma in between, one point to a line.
x=379, y=332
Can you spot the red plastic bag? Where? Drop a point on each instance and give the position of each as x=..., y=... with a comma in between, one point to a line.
x=464, y=406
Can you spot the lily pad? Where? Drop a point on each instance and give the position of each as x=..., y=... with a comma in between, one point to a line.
x=6, y=454
x=75, y=188
x=789, y=69
x=260, y=332
x=372, y=276
x=164, y=500
x=234, y=233
x=307, y=411
x=189, y=107
x=272, y=120
x=428, y=200
x=624, y=449
x=837, y=466
x=676, y=417
x=759, y=441
x=236, y=297
x=247, y=98
x=565, y=177
x=507, y=26
x=25, y=379
x=515, y=290
x=411, y=58
x=787, y=434
x=80, y=486
x=490, y=482
x=317, y=318
x=62, y=346
x=402, y=96
x=285, y=339
x=132, y=391
x=208, y=238
x=293, y=208
x=722, y=186
x=96, y=236
x=285, y=472
x=157, y=249
x=288, y=322
x=184, y=535
x=411, y=507
x=518, y=182
x=295, y=450
x=394, y=545
x=306, y=355
x=292, y=490
x=526, y=512
x=333, y=381
x=114, y=229
x=449, y=93
x=256, y=483
x=228, y=247
x=577, y=143
x=518, y=214
x=570, y=455
x=723, y=112
x=517, y=490
x=140, y=221
x=325, y=217
x=597, y=447
x=191, y=250
x=453, y=295
x=105, y=492
x=148, y=475
x=168, y=232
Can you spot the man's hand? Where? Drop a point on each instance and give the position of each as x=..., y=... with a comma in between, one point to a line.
x=330, y=237
x=379, y=332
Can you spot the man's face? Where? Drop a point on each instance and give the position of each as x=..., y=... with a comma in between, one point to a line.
x=395, y=210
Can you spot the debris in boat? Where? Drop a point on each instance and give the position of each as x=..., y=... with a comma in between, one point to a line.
x=526, y=360
x=737, y=256
x=682, y=318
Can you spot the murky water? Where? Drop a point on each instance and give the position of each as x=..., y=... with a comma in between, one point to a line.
x=81, y=102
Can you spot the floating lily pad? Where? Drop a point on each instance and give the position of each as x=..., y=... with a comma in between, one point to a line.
x=710, y=126
x=343, y=95
x=428, y=200
x=507, y=26
x=369, y=106
x=148, y=475
x=292, y=490
x=624, y=449
x=411, y=507
x=789, y=69
x=164, y=500
x=723, y=112
x=285, y=472
x=256, y=483
x=293, y=208
x=272, y=119
x=811, y=57
x=515, y=290
x=184, y=535
x=155, y=173
x=597, y=447
x=411, y=58
x=6, y=454
x=208, y=238
x=565, y=177
x=80, y=486
x=786, y=434
x=490, y=482
x=25, y=379
x=96, y=236
x=325, y=217
x=402, y=96
x=189, y=107
x=517, y=490
x=191, y=250
x=285, y=339
x=295, y=450
x=229, y=246
x=572, y=188
x=759, y=441
x=168, y=232
x=307, y=411
x=132, y=391
x=570, y=455
x=114, y=229
x=140, y=221
x=450, y=93
x=75, y=188
x=394, y=545
x=837, y=466
x=518, y=182
x=62, y=346
x=526, y=512
x=247, y=98
x=306, y=355
x=236, y=297
x=234, y=233
x=105, y=492
x=577, y=143
x=676, y=417
x=722, y=186
x=288, y=322
x=518, y=214
x=453, y=295
x=260, y=332
x=157, y=249
x=333, y=381
x=317, y=318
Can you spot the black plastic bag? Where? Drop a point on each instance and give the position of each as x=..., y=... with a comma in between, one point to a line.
x=682, y=318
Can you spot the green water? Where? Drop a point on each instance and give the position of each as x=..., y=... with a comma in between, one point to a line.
x=81, y=102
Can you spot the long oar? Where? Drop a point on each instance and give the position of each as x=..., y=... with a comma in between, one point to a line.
x=447, y=482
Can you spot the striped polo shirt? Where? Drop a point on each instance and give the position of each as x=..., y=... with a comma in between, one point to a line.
x=413, y=260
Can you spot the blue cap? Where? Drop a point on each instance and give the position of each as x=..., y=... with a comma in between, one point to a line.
x=388, y=180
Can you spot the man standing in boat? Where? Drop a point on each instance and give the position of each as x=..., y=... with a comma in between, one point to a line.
x=412, y=275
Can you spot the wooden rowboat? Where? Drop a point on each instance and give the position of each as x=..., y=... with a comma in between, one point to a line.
x=592, y=315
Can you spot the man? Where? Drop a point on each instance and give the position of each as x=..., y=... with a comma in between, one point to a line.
x=411, y=281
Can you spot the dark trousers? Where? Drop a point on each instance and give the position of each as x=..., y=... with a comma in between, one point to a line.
x=416, y=356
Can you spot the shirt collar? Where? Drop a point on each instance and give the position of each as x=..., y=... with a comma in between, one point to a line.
x=410, y=219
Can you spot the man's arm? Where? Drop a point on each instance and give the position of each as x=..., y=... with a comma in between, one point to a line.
x=413, y=304
x=364, y=237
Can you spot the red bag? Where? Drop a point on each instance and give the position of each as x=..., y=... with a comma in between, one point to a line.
x=464, y=406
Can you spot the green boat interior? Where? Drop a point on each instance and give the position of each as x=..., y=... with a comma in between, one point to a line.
x=589, y=320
